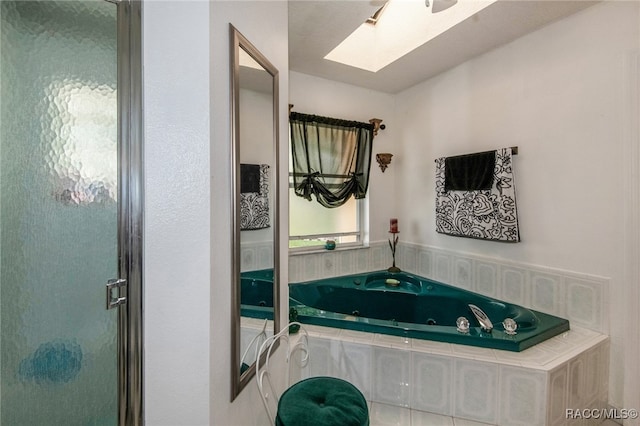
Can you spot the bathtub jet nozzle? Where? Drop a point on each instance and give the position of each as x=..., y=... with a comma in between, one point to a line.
x=485, y=323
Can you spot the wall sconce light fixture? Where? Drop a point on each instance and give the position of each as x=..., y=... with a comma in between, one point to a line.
x=384, y=159
x=377, y=125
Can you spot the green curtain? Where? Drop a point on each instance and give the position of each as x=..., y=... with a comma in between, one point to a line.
x=331, y=158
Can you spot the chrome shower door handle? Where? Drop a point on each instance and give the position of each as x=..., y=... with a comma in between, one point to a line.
x=115, y=284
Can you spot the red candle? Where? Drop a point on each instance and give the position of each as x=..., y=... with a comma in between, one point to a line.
x=393, y=226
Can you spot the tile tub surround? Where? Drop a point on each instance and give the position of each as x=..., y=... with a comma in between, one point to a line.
x=533, y=387
x=580, y=298
x=256, y=256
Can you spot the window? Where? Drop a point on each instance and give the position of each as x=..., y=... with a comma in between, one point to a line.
x=328, y=179
x=311, y=224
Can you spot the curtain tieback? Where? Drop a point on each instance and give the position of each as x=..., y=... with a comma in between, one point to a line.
x=305, y=187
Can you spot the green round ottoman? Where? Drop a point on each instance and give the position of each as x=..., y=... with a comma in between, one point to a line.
x=322, y=401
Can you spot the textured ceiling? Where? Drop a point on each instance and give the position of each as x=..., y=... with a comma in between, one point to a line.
x=316, y=27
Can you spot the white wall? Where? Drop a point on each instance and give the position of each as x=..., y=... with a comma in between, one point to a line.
x=256, y=128
x=187, y=204
x=559, y=95
x=177, y=253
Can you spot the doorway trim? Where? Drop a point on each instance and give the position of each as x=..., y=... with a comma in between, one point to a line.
x=130, y=212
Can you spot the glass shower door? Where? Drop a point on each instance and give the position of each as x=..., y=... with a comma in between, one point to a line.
x=58, y=212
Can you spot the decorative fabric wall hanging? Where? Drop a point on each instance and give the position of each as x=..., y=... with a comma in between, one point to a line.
x=254, y=196
x=476, y=196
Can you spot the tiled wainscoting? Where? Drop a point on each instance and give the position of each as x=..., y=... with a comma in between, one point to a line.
x=581, y=298
x=533, y=387
x=256, y=256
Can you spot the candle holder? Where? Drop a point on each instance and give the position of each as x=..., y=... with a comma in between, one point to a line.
x=393, y=246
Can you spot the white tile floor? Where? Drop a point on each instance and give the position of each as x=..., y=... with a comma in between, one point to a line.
x=389, y=415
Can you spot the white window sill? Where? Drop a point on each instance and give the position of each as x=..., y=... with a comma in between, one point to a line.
x=320, y=249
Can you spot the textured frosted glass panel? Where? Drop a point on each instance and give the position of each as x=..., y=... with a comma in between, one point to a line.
x=58, y=212
x=310, y=218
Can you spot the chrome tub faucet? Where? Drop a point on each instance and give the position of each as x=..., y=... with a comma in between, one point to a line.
x=485, y=323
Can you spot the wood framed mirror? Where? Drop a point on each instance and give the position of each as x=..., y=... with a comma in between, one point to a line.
x=254, y=148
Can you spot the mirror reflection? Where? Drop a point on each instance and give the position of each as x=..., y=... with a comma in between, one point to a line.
x=254, y=84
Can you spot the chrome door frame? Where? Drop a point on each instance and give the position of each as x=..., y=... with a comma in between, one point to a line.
x=130, y=211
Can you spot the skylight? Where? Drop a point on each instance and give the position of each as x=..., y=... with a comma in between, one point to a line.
x=405, y=26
